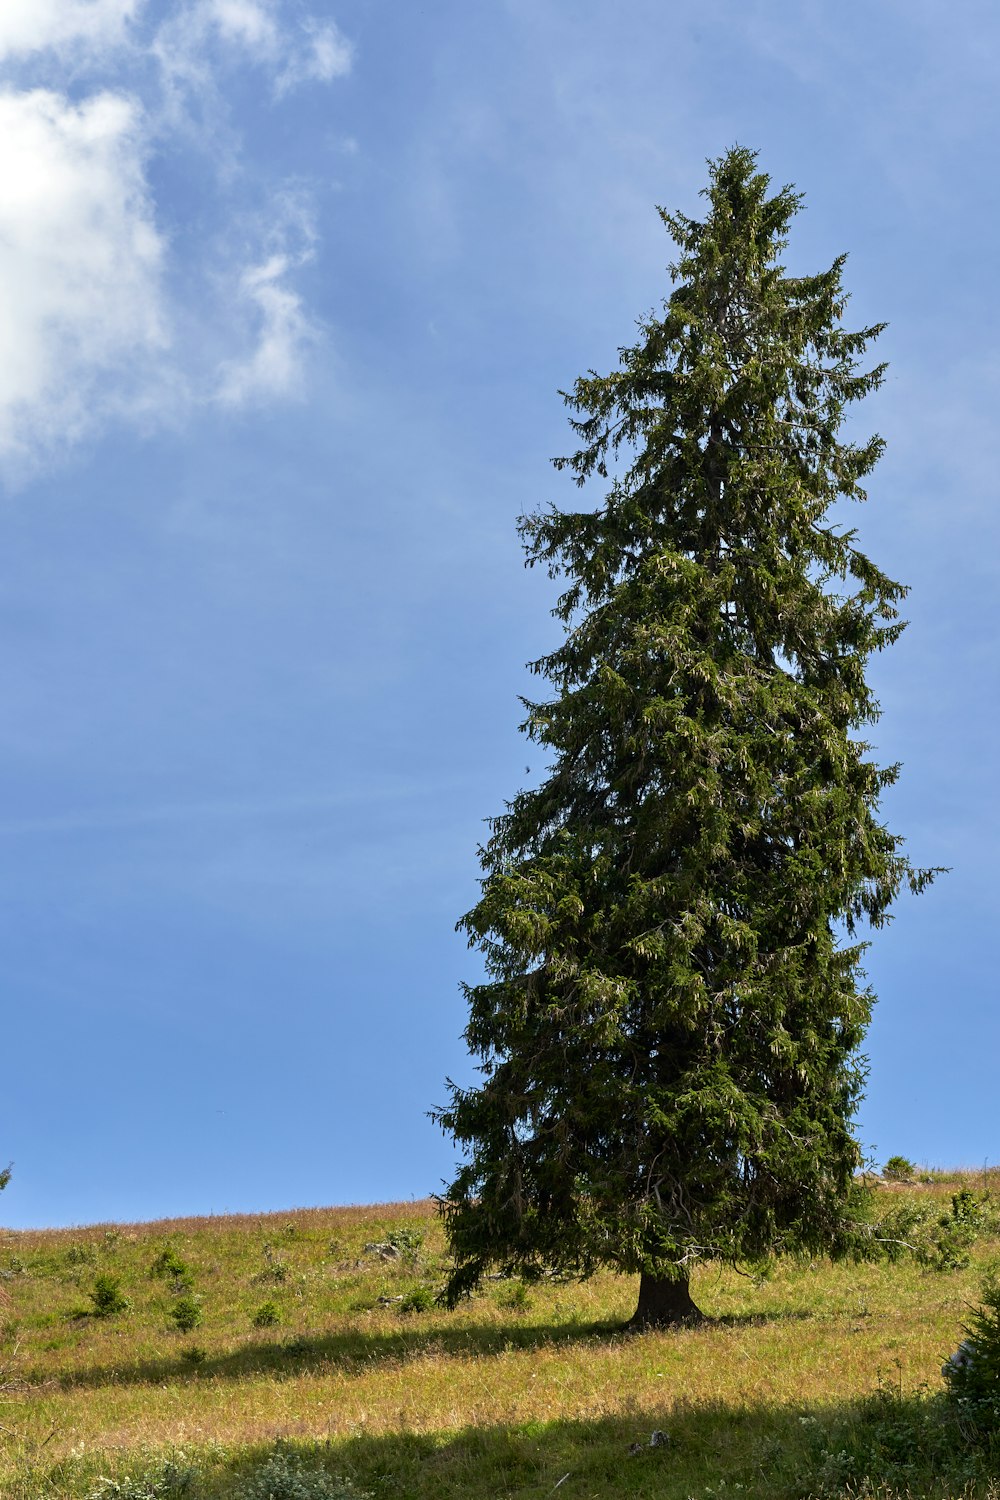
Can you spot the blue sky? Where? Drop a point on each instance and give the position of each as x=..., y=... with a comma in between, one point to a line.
x=287, y=293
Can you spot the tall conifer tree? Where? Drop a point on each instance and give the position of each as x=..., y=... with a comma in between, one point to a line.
x=669, y=1032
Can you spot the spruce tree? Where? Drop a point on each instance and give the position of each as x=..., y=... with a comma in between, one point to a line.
x=669, y=1032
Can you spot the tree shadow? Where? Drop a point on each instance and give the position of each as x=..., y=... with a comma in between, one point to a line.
x=886, y=1443
x=358, y=1349
x=911, y=1444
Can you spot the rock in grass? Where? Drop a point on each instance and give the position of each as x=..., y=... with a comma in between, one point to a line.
x=657, y=1439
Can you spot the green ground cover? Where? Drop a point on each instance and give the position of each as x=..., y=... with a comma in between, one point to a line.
x=182, y=1358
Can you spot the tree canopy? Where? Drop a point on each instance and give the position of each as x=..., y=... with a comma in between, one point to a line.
x=669, y=1030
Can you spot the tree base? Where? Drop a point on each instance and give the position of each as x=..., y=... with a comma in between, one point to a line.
x=663, y=1304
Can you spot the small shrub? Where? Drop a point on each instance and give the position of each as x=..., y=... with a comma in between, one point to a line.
x=890, y=1233
x=514, y=1298
x=888, y=1443
x=194, y=1354
x=939, y=1242
x=970, y=1208
x=284, y=1477
x=268, y=1315
x=953, y=1234
x=275, y=1269
x=108, y=1298
x=186, y=1313
x=405, y=1239
x=402, y=1245
x=950, y=1248
x=81, y=1255
x=163, y=1484
x=972, y=1374
x=168, y=1263
x=421, y=1299
x=899, y=1169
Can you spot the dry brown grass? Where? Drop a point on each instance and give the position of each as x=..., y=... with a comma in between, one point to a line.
x=342, y=1367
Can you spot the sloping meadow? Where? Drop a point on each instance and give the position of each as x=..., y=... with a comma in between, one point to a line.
x=302, y=1356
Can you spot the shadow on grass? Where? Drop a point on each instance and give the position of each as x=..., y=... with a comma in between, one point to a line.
x=886, y=1444
x=358, y=1350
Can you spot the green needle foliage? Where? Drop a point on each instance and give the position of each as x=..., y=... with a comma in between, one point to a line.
x=669, y=1032
x=972, y=1375
x=108, y=1298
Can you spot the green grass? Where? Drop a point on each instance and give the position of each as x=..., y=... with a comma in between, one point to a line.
x=816, y=1381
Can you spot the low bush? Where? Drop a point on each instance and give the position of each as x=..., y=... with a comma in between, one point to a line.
x=421, y=1299
x=169, y=1265
x=81, y=1255
x=889, y=1444
x=899, y=1169
x=284, y=1477
x=268, y=1315
x=166, y=1483
x=108, y=1298
x=275, y=1267
x=909, y=1226
x=972, y=1374
x=405, y=1239
x=186, y=1314
x=514, y=1298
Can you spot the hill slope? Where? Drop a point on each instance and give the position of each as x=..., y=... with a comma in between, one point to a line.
x=317, y=1327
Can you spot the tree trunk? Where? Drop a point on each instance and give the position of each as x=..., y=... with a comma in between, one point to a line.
x=663, y=1304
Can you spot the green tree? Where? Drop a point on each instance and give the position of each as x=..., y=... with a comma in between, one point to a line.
x=669, y=1032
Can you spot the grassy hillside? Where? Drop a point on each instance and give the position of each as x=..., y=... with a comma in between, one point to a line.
x=313, y=1338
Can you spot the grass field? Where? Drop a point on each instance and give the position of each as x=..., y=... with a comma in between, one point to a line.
x=819, y=1380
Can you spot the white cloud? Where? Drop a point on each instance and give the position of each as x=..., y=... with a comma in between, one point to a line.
x=284, y=332
x=28, y=26
x=185, y=43
x=325, y=54
x=88, y=327
x=311, y=52
x=80, y=264
x=245, y=21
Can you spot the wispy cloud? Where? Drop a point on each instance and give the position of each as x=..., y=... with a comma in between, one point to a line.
x=81, y=303
x=253, y=810
x=275, y=365
x=247, y=21
x=209, y=35
x=323, y=53
x=28, y=26
x=96, y=318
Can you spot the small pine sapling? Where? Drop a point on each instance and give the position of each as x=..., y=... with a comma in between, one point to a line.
x=972, y=1374
x=186, y=1314
x=268, y=1315
x=108, y=1298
